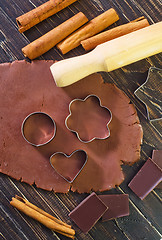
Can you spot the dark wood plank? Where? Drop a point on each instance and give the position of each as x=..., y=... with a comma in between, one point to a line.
x=144, y=221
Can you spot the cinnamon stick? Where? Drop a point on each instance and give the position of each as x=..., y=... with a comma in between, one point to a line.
x=30, y=19
x=121, y=30
x=41, y=211
x=93, y=27
x=50, y=39
x=43, y=217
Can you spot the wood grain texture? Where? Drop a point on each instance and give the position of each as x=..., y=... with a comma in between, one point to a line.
x=144, y=221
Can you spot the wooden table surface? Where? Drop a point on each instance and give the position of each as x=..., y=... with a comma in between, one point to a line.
x=145, y=219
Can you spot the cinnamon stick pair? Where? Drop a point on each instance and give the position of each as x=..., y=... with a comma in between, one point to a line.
x=50, y=39
x=30, y=19
x=46, y=219
x=93, y=27
x=92, y=42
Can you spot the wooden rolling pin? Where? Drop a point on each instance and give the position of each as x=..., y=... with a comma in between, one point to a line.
x=109, y=56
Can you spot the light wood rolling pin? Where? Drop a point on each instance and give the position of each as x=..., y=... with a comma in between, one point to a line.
x=109, y=56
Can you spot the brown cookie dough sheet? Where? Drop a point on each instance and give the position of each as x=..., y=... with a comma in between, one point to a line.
x=29, y=87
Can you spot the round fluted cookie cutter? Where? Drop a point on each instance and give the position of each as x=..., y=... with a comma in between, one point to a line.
x=38, y=129
x=84, y=100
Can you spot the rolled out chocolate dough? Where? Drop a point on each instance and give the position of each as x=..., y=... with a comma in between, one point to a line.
x=29, y=87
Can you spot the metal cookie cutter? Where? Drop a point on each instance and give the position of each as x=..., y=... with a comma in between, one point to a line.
x=38, y=129
x=88, y=119
x=69, y=166
x=150, y=93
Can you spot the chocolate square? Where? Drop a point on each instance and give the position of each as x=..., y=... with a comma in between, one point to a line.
x=157, y=158
x=148, y=177
x=88, y=212
x=118, y=206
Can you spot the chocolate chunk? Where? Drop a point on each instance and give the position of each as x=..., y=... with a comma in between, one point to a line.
x=118, y=206
x=146, y=179
x=29, y=87
x=157, y=158
x=88, y=212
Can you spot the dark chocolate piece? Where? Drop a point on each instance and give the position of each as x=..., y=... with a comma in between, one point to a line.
x=29, y=87
x=148, y=177
x=70, y=166
x=88, y=212
x=157, y=158
x=118, y=206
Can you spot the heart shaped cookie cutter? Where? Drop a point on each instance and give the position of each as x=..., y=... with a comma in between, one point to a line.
x=89, y=125
x=38, y=129
x=66, y=169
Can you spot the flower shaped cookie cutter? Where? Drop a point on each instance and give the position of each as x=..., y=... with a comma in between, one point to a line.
x=69, y=166
x=38, y=129
x=88, y=119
